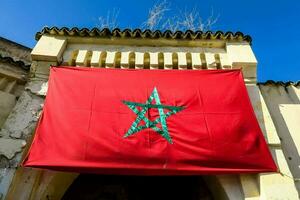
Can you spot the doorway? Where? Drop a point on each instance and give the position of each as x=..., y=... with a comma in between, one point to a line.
x=110, y=187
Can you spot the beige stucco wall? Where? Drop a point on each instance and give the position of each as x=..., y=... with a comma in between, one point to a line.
x=283, y=102
x=14, y=62
x=14, y=59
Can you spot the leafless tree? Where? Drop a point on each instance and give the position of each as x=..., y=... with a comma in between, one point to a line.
x=191, y=20
x=183, y=20
x=110, y=20
x=159, y=20
x=156, y=14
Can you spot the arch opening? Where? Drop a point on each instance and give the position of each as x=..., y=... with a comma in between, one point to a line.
x=113, y=187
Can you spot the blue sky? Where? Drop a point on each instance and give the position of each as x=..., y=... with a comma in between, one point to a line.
x=273, y=25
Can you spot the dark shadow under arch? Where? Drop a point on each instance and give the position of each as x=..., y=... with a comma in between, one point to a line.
x=109, y=187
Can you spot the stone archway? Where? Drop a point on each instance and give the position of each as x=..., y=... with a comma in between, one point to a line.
x=109, y=187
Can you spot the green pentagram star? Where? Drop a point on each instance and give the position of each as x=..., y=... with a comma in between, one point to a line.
x=163, y=131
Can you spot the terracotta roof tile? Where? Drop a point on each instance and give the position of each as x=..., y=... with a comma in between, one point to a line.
x=138, y=33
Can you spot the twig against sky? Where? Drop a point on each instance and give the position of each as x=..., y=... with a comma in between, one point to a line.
x=110, y=20
x=160, y=18
x=156, y=14
x=182, y=20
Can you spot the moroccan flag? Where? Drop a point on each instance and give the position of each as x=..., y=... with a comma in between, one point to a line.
x=148, y=122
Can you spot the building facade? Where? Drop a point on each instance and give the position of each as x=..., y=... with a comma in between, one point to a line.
x=276, y=106
x=15, y=62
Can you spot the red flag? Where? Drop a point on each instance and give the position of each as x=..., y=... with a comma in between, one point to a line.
x=144, y=122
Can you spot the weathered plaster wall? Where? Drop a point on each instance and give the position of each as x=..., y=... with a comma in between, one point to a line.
x=13, y=76
x=262, y=186
x=14, y=63
x=16, y=130
x=15, y=51
x=283, y=102
x=12, y=80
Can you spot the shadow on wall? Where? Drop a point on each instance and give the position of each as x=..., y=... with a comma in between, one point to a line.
x=283, y=102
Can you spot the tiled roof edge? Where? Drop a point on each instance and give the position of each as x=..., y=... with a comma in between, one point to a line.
x=138, y=33
x=15, y=43
x=280, y=83
x=10, y=60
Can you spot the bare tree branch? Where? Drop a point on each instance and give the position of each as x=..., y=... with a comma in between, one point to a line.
x=110, y=20
x=156, y=14
x=184, y=20
x=188, y=20
x=191, y=20
x=171, y=24
x=211, y=20
x=159, y=20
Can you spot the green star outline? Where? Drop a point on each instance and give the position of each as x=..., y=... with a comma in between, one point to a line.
x=151, y=124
